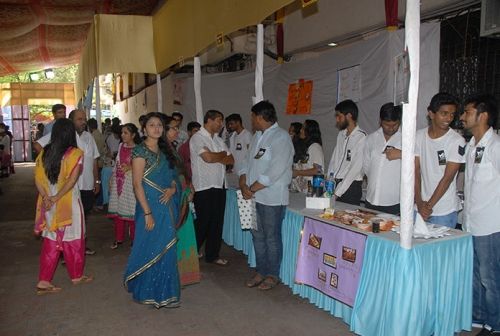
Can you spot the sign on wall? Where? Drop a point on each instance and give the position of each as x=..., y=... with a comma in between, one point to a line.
x=349, y=83
x=299, y=97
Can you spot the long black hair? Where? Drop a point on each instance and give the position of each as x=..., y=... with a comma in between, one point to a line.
x=312, y=132
x=134, y=130
x=63, y=137
x=163, y=144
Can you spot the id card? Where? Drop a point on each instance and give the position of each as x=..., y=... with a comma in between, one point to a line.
x=260, y=153
x=441, y=157
x=238, y=146
x=479, y=154
x=348, y=155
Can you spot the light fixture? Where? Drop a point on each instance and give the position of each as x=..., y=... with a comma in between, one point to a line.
x=49, y=74
x=332, y=44
x=34, y=76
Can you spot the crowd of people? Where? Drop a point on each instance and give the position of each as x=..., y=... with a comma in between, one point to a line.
x=167, y=187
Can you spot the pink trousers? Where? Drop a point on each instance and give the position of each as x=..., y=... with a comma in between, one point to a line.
x=74, y=256
x=120, y=226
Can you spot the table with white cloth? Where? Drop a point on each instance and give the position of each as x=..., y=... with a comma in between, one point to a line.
x=423, y=291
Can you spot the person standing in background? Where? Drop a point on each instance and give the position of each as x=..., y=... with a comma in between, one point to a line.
x=209, y=158
x=239, y=141
x=439, y=152
x=58, y=112
x=482, y=208
x=346, y=163
x=266, y=177
x=382, y=162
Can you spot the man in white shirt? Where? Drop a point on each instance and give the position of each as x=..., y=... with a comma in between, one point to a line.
x=239, y=142
x=88, y=182
x=382, y=162
x=265, y=177
x=58, y=112
x=183, y=136
x=482, y=208
x=346, y=163
x=209, y=158
x=439, y=152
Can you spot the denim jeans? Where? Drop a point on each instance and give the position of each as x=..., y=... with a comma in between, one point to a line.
x=486, y=280
x=449, y=220
x=267, y=239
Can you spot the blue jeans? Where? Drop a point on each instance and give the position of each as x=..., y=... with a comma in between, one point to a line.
x=486, y=280
x=267, y=239
x=449, y=220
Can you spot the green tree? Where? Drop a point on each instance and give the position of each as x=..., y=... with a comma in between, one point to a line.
x=62, y=75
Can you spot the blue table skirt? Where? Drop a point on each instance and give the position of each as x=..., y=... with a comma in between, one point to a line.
x=423, y=291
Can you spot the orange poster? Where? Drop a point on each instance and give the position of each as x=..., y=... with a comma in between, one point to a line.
x=299, y=97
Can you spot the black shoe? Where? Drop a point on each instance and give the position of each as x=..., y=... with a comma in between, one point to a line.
x=484, y=332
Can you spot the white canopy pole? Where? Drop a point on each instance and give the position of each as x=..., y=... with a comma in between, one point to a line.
x=259, y=67
x=412, y=42
x=158, y=93
x=97, y=103
x=197, y=90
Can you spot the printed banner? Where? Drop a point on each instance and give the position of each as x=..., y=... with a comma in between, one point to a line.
x=330, y=259
x=349, y=84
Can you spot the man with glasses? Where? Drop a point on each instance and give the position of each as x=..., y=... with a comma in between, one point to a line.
x=183, y=136
x=439, y=152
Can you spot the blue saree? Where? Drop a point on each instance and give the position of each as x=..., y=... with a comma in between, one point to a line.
x=151, y=274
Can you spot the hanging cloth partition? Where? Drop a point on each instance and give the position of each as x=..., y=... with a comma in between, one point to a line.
x=259, y=67
x=197, y=90
x=412, y=43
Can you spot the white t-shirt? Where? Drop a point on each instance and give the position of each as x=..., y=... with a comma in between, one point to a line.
x=206, y=175
x=433, y=155
x=482, y=185
x=384, y=176
x=238, y=146
x=87, y=144
x=347, y=159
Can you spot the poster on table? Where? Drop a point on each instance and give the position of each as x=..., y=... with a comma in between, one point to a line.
x=299, y=97
x=349, y=83
x=330, y=259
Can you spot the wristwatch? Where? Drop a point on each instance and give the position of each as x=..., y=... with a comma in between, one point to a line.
x=98, y=182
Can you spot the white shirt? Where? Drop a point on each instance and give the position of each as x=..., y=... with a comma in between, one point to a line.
x=270, y=162
x=383, y=175
x=206, y=175
x=87, y=144
x=433, y=155
x=239, y=145
x=347, y=159
x=482, y=185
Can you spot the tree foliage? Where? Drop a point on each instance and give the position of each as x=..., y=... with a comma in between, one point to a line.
x=62, y=75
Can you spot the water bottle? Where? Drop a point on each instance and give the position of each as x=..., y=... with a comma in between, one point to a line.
x=329, y=185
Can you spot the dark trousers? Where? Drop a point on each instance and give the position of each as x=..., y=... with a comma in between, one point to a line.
x=210, y=205
x=390, y=209
x=353, y=194
x=88, y=198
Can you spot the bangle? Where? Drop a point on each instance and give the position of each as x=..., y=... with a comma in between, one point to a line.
x=147, y=214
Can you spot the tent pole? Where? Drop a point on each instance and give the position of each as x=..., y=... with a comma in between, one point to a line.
x=158, y=93
x=412, y=43
x=259, y=67
x=197, y=90
x=97, y=104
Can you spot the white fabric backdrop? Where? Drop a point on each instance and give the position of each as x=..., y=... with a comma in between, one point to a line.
x=232, y=92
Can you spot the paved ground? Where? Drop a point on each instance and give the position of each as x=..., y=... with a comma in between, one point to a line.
x=219, y=305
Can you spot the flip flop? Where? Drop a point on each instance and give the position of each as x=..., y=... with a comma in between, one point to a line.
x=269, y=283
x=83, y=280
x=255, y=281
x=47, y=290
x=220, y=262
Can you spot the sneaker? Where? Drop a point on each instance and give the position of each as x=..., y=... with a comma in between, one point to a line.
x=89, y=251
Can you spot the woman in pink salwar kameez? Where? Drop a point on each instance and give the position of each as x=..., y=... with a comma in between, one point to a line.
x=59, y=212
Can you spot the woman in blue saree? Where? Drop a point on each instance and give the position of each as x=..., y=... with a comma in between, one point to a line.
x=151, y=274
